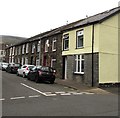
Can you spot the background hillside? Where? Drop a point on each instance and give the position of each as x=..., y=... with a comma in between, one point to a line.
x=10, y=39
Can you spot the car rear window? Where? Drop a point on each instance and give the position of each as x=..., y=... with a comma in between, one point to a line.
x=47, y=69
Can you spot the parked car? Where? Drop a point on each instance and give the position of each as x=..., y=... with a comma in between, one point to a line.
x=12, y=67
x=24, y=70
x=3, y=66
x=41, y=74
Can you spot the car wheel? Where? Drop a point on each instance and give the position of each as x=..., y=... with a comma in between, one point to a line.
x=52, y=82
x=24, y=75
x=17, y=74
x=36, y=79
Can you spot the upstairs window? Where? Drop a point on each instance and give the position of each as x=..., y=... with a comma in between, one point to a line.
x=23, y=49
x=27, y=45
x=19, y=50
x=66, y=42
x=33, y=48
x=38, y=46
x=46, y=45
x=54, y=45
x=10, y=52
x=79, y=39
x=79, y=64
x=13, y=50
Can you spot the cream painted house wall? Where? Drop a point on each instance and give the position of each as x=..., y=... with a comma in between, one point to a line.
x=105, y=42
x=108, y=51
x=87, y=44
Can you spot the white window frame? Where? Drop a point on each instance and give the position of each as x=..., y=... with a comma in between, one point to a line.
x=27, y=45
x=26, y=60
x=9, y=59
x=18, y=60
x=54, y=44
x=52, y=60
x=38, y=46
x=19, y=50
x=37, y=62
x=65, y=39
x=13, y=50
x=22, y=60
x=46, y=45
x=23, y=48
x=80, y=34
x=78, y=69
x=10, y=51
x=33, y=48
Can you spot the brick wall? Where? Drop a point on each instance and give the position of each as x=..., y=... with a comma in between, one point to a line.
x=85, y=78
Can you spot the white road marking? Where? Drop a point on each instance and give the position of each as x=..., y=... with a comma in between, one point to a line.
x=33, y=89
x=15, y=98
x=34, y=96
x=65, y=94
x=50, y=94
x=75, y=93
x=2, y=99
x=88, y=93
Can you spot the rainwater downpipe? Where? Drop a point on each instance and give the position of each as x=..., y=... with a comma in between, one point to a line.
x=93, y=55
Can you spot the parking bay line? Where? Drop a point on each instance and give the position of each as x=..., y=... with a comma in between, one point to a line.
x=34, y=96
x=2, y=99
x=34, y=89
x=15, y=98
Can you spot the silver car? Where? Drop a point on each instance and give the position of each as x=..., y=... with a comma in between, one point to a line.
x=24, y=70
x=3, y=65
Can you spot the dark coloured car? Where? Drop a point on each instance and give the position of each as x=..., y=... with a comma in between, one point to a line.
x=12, y=68
x=42, y=74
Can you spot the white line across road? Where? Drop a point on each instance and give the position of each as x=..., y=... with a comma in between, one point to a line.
x=15, y=98
x=34, y=96
x=34, y=89
x=2, y=99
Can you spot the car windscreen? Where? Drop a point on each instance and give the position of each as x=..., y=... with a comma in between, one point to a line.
x=17, y=65
x=30, y=67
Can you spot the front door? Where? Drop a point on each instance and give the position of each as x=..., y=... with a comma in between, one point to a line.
x=65, y=67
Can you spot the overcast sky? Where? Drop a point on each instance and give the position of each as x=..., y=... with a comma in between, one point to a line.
x=26, y=18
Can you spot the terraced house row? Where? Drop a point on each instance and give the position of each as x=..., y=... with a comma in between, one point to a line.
x=85, y=51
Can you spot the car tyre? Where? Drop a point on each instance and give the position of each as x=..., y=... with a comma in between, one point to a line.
x=17, y=74
x=52, y=82
x=36, y=79
x=24, y=75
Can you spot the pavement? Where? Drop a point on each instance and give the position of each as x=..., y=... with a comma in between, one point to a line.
x=98, y=90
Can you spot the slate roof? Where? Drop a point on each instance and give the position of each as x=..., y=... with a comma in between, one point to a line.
x=98, y=18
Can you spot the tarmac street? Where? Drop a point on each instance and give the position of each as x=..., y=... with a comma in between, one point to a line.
x=21, y=97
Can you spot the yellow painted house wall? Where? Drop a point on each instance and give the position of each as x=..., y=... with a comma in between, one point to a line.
x=105, y=42
x=87, y=44
x=108, y=51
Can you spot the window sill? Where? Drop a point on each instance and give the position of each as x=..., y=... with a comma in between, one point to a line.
x=79, y=47
x=66, y=50
x=79, y=73
x=53, y=50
